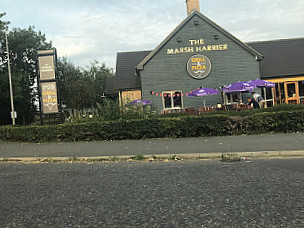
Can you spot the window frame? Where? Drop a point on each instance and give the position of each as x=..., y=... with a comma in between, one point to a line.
x=172, y=92
x=228, y=98
x=270, y=99
x=301, y=98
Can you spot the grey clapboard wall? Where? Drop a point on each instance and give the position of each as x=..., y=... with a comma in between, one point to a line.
x=167, y=72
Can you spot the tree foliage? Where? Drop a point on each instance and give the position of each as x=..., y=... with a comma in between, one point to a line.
x=78, y=87
x=82, y=88
x=4, y=87
x=23, y=46
x=3, y=25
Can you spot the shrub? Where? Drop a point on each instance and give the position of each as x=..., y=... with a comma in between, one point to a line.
x=139, y=157
x=179, y=126
x=111, y=110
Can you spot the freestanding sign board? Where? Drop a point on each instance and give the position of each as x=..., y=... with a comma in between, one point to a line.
x=47, y=82
x=49, y=97
x=46, y=67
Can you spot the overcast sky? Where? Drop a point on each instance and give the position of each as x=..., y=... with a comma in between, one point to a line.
x=85, y=30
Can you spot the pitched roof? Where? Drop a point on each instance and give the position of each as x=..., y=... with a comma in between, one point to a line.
x=110, y=85
x=126, y=77
x=282, y=58
x=207, y=20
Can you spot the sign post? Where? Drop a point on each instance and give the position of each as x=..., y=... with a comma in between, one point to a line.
x=10, y=82
x=47, y=83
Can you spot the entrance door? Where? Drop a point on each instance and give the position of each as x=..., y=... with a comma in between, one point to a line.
x=291, y=92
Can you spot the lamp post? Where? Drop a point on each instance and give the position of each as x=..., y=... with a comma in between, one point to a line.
x=10, y=81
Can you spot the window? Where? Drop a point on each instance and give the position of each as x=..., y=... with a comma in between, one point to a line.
x=280, y=93
x=227, y=98
x=172, y=99
x=291, y=90
x=301, y=91
x=233, y=98
x=267, y=93
x=301, y=88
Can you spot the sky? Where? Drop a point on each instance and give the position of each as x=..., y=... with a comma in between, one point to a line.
x=88, y=30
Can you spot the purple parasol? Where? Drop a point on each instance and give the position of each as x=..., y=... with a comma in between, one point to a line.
x=261, y=83
x=139, y=102
x=238, y=87
x=203, y=92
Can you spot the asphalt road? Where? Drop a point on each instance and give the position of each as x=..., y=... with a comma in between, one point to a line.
x=243, y=143
x=261, y=193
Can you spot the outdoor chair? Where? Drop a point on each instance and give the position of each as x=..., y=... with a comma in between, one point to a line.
x=191, y=111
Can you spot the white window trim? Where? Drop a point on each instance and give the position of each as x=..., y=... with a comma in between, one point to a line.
x=271, y=99
x=230, y=96
x=172, y=103
x=300, y=97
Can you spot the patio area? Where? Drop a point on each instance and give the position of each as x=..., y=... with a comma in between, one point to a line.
x=208, y=109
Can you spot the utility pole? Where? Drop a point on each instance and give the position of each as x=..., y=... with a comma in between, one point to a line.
x=10, y=82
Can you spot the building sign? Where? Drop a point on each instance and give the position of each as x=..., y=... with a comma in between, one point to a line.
x=47, y=85
x=46, y=67
x=196, y=46
x=49, y=97
x=199, y=66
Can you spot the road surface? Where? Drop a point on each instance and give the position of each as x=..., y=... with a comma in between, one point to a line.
x=260, y=193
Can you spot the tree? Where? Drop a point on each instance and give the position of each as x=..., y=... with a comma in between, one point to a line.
x=68, y=76
x=3, y=25
x=4, y=86
x=81, y=88
x=78, y=88
x=97, y=73
x=23, y=47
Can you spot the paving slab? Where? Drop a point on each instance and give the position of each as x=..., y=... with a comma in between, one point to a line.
x=202, y=145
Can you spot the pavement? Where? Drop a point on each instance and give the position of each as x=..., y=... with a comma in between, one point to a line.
x=265, y=145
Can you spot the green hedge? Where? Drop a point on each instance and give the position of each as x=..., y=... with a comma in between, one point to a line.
x=181, y=126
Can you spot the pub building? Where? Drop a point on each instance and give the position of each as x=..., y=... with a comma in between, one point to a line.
x=199, y=53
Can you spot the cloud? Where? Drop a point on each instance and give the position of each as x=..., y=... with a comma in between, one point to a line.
x=261, y=19
x=67, y=45
x=85, y=30
x=101, y=35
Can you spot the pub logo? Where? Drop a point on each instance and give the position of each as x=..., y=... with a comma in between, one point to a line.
x=49, y=97
x=199, y=66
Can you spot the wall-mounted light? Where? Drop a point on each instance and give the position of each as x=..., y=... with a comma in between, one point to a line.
x=195, y=22
x=179, y=39
x=216, y=37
